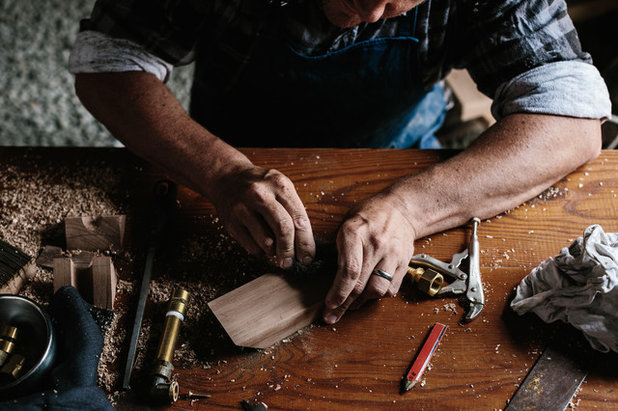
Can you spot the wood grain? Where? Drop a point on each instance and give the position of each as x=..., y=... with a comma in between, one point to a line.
x=358, y=363
x=268, y=309
x=93, y=276
x=94, y=233
x=104, y=282
x=64, y=273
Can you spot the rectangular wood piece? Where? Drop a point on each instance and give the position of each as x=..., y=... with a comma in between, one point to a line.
x=64, y=273
x=103, y=282
x=269, y=308
x=95, y=233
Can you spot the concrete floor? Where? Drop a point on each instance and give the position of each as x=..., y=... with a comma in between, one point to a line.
x=38, y=106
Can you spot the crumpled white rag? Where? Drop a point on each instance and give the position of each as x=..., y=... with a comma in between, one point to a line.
x=579, y=286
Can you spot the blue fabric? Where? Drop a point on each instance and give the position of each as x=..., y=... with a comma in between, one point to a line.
x=369, y=94
x=72, y=382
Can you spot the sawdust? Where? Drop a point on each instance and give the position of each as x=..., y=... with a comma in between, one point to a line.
x=35, y=198
x=550, y=194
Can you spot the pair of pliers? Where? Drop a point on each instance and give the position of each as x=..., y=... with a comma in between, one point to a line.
x=432, y=272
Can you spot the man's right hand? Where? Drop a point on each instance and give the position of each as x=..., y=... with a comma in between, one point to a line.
x=259, y=207
x=262, y=211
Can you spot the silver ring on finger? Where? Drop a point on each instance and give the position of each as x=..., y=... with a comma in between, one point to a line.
x=383, y=274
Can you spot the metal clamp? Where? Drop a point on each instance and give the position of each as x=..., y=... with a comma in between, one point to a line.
x=439, y=278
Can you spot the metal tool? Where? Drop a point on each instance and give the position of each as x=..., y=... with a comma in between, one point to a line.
x=550, y=385
x=163, y=202
x=163, y=388
x=13, y=368
x=430, y=274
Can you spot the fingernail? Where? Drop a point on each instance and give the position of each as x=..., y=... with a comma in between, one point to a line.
x=307, y=260
x=330, y=318
x=286, y=262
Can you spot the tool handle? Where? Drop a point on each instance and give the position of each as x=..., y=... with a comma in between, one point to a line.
x=173, y=318
x=475, y=287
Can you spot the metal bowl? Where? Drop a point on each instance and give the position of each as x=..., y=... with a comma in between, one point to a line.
x=36, y=342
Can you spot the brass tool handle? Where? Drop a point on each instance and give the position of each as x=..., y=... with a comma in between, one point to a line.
x=173, y=320
x=163, y=388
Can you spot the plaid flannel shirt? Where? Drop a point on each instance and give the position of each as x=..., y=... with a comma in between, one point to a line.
x=497, y=41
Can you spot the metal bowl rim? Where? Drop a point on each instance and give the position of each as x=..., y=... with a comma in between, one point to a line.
x=49, y=343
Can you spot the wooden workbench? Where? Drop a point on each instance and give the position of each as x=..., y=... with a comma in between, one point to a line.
x=358, y=363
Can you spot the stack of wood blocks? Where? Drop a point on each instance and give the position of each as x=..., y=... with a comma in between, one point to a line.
x=92, y=274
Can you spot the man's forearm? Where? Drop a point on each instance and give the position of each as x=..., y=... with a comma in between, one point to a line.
x=141, y=112
x=513, y=161
x=259, y=207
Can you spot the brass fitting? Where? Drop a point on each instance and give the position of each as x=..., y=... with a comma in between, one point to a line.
x=163, y=388
x=13, y=367
x=8, y=336
x=429, y=281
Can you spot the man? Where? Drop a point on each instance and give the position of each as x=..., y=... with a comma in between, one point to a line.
x=344, y=73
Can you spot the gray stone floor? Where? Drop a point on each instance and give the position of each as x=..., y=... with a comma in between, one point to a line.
x=38, y=106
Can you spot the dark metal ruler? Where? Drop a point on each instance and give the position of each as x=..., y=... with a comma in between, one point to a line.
x=551, y=383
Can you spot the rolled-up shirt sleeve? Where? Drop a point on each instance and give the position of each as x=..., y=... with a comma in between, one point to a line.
x=96, y=52
x=139, y=35
x=567, y=88
x=526, y=55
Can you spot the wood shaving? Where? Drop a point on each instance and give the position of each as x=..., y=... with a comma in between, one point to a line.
x=36, y=196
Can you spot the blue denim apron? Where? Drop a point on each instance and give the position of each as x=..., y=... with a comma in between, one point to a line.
x=368, y=94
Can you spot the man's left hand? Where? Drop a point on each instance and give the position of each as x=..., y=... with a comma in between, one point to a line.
x=376, y=235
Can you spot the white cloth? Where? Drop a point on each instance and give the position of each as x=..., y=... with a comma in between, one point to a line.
x=579, y=286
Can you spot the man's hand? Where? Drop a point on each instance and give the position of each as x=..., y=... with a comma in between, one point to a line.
x=262, y=211
x=507, y=165
x=259, y=207
x=376, y=235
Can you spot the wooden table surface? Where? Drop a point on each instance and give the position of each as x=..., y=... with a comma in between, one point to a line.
x=358, y=363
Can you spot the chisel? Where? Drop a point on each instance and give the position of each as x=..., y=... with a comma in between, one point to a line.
x=164, y=201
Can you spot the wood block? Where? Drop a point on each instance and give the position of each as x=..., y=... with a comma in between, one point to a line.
x=269, y=308
x=94, y=233
x=104, y=282
x=474, y=104
x=16, y=268
x=93, y=276
x=15, y=284
x=47, y=255
x=64, y=273
x=82, y=260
